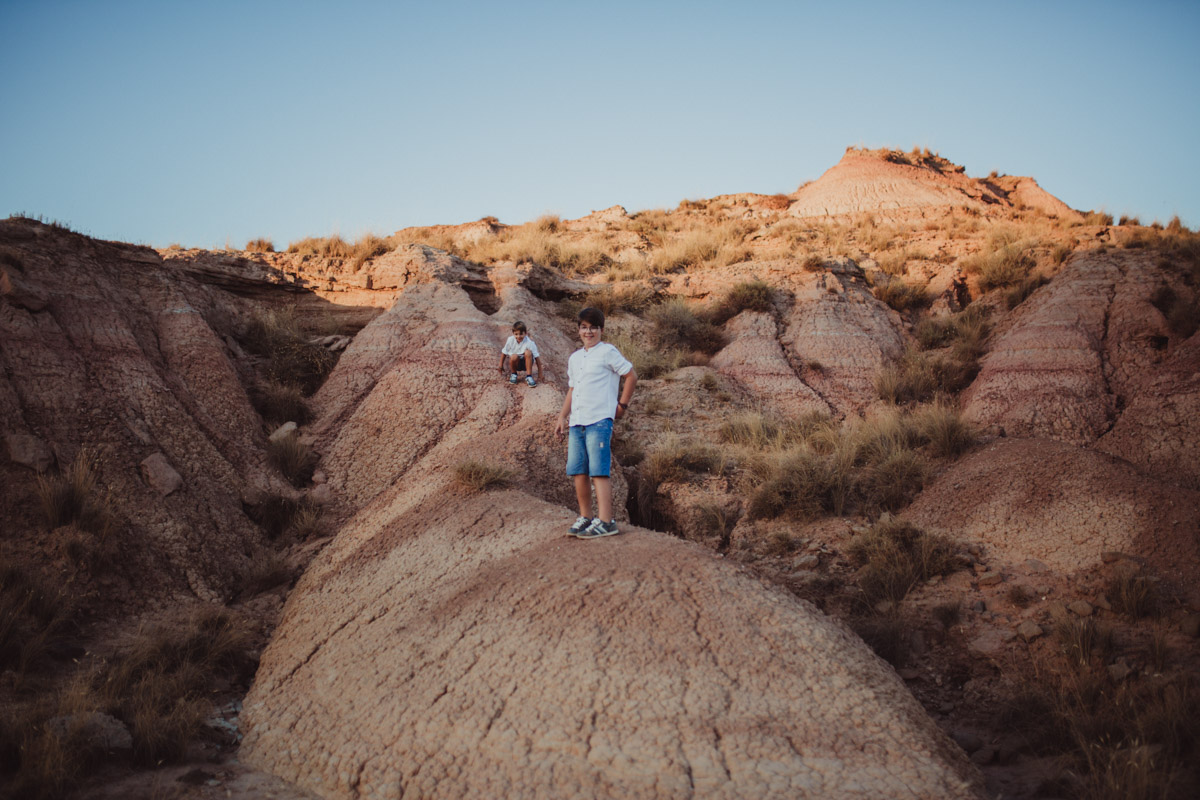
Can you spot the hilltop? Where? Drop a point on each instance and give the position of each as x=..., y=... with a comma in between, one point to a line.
x=910, y=493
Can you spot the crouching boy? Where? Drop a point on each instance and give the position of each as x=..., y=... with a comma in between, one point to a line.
x=519, y=355
x=593, y=375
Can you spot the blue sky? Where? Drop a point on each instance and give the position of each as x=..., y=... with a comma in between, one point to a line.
x=213, y=122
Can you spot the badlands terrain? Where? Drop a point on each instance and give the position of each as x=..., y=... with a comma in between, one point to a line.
x=909, y=494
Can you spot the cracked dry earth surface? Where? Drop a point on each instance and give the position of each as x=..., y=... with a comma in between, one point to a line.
x=468, y=648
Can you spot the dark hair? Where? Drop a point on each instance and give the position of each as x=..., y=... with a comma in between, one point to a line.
x=520, y=326
x=592, y=316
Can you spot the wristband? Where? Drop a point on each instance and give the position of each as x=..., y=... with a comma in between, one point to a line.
x=623, y=406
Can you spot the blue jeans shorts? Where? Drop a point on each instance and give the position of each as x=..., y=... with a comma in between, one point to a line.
x=589, y=450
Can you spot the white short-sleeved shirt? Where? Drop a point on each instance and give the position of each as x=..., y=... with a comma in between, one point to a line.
x=514, y=348
x=595, y=376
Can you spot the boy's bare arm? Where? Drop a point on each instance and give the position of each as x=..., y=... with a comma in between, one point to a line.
x=560, y=428
x=626, y=392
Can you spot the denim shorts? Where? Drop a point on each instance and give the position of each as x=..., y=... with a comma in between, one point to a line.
x=588, y=449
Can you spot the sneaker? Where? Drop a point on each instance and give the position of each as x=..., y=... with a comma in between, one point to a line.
x=599, y=528
x=580, y=526
x=530, y=380
x=512, y=377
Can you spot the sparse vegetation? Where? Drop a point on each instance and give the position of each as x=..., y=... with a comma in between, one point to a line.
x=1081, y=639
x=157, y=685
x=291, y=360
x=901, y=295
x=32, y=617
x=72, y=497
x=1135, y=595
x=481, y=475
x=293, y=458
x=917, y=377
x=677, y=326
x=746, y=296
x=260, y=245
x=281, y=402
x=897, y=555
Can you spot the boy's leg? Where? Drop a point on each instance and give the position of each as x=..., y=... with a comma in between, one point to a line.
x=583, y=494
x=528, y=362
x=577, y=468
x=603, y=497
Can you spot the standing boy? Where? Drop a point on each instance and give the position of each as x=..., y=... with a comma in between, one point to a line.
x=589, y=409
x=519, y=355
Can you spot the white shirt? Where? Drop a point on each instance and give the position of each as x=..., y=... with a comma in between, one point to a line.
x=514, y=348
x=595, y=376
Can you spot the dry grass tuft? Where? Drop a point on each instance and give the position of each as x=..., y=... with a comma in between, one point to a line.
x=902, y=296
x=896, y=556
x=278, y=336
x=32, y=618
x=1135, y=595
x=753, y=295
x=480, y=475
x=281, y=402
x=1081, y=639
x=157, y=685
x=917, y=377
x=293, y=458
x=260, y=245
x=71, y=497
x=677, y=326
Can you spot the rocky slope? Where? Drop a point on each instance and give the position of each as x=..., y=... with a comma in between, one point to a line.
x=446, y=641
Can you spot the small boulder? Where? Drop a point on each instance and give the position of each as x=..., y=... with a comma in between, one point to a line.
x=1119, y=671
x=807, y=561
x=29, y=451
x=990, y=579
x=321, y=494
x=96, y=731
x=159, y=473
x=1029, y=630
x=1058, y=611
x=283, y=431
x=1081, y=608
x=991, y=643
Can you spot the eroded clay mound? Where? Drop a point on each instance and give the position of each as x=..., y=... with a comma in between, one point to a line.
x=105, y=348
x=868, y=182
x=468, y=649
x=1074, y=352
x=418, y=393
x=841, y=336
x=1063, y=506
x=756, y=360
x=1158, y=428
